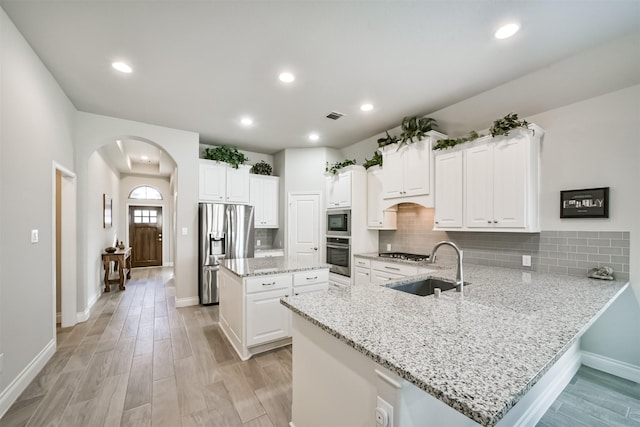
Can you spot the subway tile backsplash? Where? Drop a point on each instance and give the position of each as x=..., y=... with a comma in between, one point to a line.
x=562, y=252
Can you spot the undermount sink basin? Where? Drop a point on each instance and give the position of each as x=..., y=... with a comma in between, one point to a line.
x=425, y=287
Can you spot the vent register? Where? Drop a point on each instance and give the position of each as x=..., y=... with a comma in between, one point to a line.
x=334, y=115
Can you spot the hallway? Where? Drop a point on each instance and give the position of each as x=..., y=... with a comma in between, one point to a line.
x=139, y=361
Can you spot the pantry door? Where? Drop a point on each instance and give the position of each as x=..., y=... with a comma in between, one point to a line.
x=145, y=235
x=304, y=227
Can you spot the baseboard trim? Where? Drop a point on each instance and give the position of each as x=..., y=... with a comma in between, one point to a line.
x=611, y=366
x=83, y=316
x=9, y=395
x=186, y=302
x=58, y=317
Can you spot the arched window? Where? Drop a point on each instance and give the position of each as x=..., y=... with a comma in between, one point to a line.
x=145, y=192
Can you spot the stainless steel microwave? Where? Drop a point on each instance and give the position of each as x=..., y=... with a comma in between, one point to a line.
x=339, y=222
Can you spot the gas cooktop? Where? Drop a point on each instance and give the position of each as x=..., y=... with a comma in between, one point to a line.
x=404, y=256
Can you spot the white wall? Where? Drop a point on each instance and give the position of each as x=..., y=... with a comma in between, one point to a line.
x=93, y=131
x=102, y=180
x=36, y=129
x=128, y=183
x=595, y=143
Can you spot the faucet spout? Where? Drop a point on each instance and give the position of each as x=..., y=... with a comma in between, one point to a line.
x=459, y=273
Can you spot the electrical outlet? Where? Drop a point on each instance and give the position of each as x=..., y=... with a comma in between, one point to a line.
x=34, y=236
x=388, y=247
x=526, y=260
x=384, y=413
x=258, y=242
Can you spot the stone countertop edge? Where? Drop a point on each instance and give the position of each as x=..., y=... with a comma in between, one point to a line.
x=486, y=418
x=253, y=267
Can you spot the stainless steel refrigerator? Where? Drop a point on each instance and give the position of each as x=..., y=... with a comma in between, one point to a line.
x=225, y=231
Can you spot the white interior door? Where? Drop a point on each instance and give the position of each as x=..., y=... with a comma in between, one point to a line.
x=304, y=227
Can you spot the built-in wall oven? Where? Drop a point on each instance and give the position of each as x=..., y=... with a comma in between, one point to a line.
x=339, y=222
x=339, y=255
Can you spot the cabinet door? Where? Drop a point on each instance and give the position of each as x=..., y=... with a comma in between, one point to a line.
x=510, y=170
x=374, y=192
x=213, y=180
x=416, y=160
x=393, y=165
x=342, y=192
x=267, y=319
x=256, y=200
x=448, y=195
x=270, y=200
x=478, y=205
x=382, y=277
x=238, y=185
x=362, y=276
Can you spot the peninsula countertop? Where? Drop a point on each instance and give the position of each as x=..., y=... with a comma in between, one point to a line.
x=248, y=267
x=479, y=352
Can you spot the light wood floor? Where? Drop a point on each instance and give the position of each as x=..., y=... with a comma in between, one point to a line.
x=139, y=361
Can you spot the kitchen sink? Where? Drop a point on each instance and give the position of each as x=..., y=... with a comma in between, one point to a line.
x=425, y=287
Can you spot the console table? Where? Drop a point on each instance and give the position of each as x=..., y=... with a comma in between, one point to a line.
x=122, y=259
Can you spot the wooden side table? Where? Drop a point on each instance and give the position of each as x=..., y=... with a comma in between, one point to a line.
x=122, y=258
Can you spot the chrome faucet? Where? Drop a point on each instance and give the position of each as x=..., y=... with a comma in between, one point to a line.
x=459, y=275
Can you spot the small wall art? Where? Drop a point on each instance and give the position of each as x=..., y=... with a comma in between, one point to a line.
x=107, y=211
x=587, y=203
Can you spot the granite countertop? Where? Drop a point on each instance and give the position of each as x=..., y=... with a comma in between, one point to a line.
x=247, y=267
x=478, y=352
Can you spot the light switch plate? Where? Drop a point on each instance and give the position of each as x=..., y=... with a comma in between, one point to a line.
x=34, y=236
x=526, y=260
x=388, y=247
x=185, y=231
x=258, y=242
x=383, y=408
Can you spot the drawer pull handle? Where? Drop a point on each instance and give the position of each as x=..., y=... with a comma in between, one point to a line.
x=286, y=295
x=296, y=294
x=312, y=278
x=269, y=284
x=391, y=268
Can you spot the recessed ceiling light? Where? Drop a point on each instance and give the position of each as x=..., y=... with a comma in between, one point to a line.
x=366, y=107
x=286, y=77
x=507, y=31
x=246, y=121
x=144, y=157
x=314, y=137
x=122, y=67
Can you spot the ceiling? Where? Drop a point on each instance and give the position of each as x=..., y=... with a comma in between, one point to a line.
x=203, y=65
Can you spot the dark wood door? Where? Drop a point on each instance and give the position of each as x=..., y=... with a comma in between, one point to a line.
x=145, y=235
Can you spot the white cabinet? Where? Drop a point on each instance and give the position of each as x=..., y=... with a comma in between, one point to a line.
x=213, y=181
x=267, y=319
x=339, y=190
x=221, y=183
x=362, y=275
x=251, y=315
x=377, y=217
x=380, y=272
x=264, y=196
x=448, y=213
x=501, y=183
x=407, y=170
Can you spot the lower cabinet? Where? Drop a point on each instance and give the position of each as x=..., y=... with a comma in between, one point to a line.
x=251, y=315
x=267, y=319
x=380, y=272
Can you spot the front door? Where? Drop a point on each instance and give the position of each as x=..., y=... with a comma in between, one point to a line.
x=145, y=235
x=304, y=227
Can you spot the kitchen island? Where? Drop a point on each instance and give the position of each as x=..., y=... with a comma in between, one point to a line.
x=487, y=357
x=251, y=315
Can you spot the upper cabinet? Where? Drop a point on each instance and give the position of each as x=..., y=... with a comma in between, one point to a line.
x=339, y=190
x=449, y=194
x=377, y=217
x=264, y=191
x=499, y=184
x=222, y=183
x=408, y=172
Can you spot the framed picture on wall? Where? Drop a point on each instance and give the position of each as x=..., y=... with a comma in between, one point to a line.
x=587, y=203
x=107, y=211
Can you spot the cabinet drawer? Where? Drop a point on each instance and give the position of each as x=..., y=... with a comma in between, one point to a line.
x=316, y=287
x=395, y=268
x=382, y=277
x=362, y=262
x=311, y=276
x=268, y=283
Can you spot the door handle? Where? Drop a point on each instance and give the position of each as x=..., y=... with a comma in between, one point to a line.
x=315, y=249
